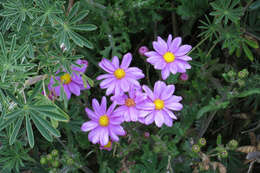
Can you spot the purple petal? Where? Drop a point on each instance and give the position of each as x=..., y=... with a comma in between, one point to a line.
x=148, y=92
x=181, y=67
x=126, y=116
x=103, y=138
x=124, y=85
x=149, y=119
x=87, y=126
x=133, y=114
x=96, y=107
x=107, y=65
x=169, y=113
x=165, y=73
x=103, y=105
x=173, y=68
x=113, y=136
x=93, y=136
x=118, y=130
x=184, y=58
x=103, y=76
x=175, y=44
x=134, y=71
x=159, y=48
x=120, y=99
x=173, y=99
x=115, y=62
x=75, y=89
x=183, y=50
x=151, y=53
x=169, y=40
x=159, y=119
x=167, y=92
x=162, y=42
x=111, y=109
x=67, y=91
x=57, y=90
x=91, y=114
x=174, y=106
x=105, y=83
x=127, y=58
x=143, y=113
x=146, y=105
x=167, y=120
x=117, y=120
x=110, y=89
x=159, y=87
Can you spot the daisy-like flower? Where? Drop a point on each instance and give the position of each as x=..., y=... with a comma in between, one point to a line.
x=169, y=56
x=119, y=77
x=71, y=83
x=128, y=104
x=159, y=104
x=107, y=147
x=104, y=123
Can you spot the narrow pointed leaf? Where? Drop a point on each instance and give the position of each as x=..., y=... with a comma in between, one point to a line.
x=29, y=131
x=21, y=51
x=48, y=126
x=16, y=130
x=43, y=107
x=73, y=10
x=36, y=90
x=2, y=44
x=53, y=115
x=84, y=27
x=6, y=123
x=44, y=132
x=80, y=16
x=14, y=114
x=13, y=98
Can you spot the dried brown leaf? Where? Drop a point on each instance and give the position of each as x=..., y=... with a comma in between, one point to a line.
x=246, y=149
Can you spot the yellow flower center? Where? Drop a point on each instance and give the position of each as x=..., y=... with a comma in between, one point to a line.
x=129, y=102
x=159, y=104
x=66, y=78
x=169, y=57
x=103, y=120
x=119, y=73
x=108, y=144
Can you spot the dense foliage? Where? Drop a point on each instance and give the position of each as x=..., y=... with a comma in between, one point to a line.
x=217, y=129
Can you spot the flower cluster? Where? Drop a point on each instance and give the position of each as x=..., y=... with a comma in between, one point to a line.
x=131, y=101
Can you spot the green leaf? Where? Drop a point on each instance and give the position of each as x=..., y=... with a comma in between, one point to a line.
x=2, y=44
x=47, y=125
x=43, y=107
x=212, y=107
x=21, y=51
x=249, y=92
x=13, y=98
x=29, y=131
x=80, y=16
x=44, y=132
x=13, y=44
x=36, y=91
x=248, y=52
x=73, y=10
x=84, y=27
x=53, y=115
x=16, y=130
x=89, y=80
x=76, y=38
x=252, y=43
x=14, y=114
x=219, y=140
x=255, y=5
x=6, y=123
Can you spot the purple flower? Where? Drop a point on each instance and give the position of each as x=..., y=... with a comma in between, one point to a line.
x=184, y=76
x=104, y=123
x=119, y=78
x=159, y=104
x=128, y=104
x=142, y=50
x=71, y=83
x=170, y=56
x=107, y=147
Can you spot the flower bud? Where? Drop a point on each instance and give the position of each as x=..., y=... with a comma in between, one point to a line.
x=43, y=160
x=223, y=154
x=202, y=142
x=142, y=50
x=184, y=76
x=196, y=148
x=243, y=74
x=241, y=82
x=55, y=153
x=49, y=157
x=55, y=164
x=233, y=144
x=70, y=161
x=231, y=73
x=146, y=134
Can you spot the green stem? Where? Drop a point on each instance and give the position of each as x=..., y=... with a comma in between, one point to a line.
x=202, y=41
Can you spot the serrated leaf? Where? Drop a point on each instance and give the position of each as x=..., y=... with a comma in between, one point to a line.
x=16, y=130
x=44, y=132
x=29, y=131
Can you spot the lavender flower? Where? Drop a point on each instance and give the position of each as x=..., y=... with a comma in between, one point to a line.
x=142, y=50
x=170, y=56
x=71, y=83
x=119, y=78
x=159, y=104
x=104, y=123
x=184, y=76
